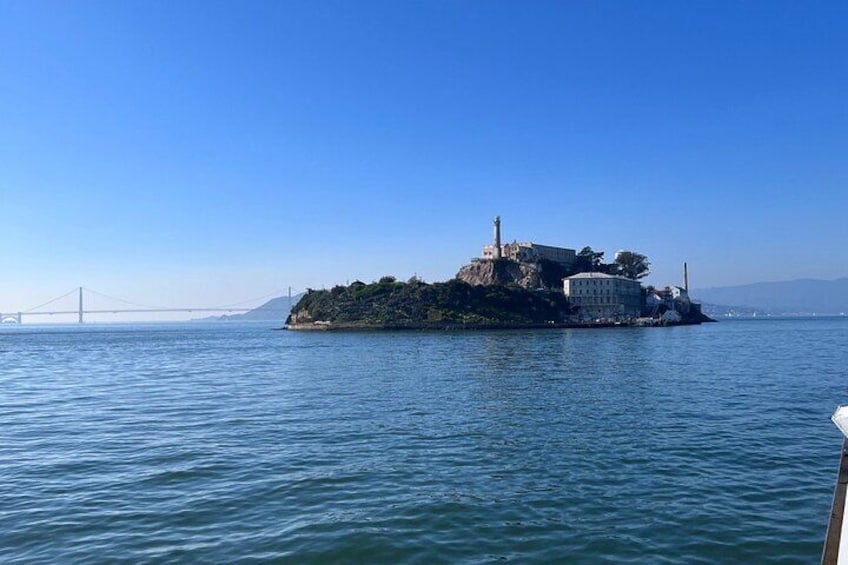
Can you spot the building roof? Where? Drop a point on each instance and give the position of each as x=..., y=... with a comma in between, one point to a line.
x=598, y=276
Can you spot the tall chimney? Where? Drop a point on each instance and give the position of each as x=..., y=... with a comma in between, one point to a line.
x=686, y=277
x=496, y=249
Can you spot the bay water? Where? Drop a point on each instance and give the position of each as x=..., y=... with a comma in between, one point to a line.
x=235, y=443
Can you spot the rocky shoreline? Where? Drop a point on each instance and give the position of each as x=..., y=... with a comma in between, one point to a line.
x=355, y=327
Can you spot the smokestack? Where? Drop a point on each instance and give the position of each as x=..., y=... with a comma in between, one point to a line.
x=686, y=277
x=496, y=249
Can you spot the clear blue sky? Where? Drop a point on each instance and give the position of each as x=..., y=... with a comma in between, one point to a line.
x=207, y=152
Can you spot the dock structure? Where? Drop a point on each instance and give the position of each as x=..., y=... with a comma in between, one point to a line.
x=835, y=550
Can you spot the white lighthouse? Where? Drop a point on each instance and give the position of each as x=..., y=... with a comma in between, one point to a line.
x=496, y=248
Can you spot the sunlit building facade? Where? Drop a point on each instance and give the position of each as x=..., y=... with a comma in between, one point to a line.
x=598, y=295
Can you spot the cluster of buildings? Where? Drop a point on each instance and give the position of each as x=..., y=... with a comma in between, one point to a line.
x=526, y=251
x=599, y=296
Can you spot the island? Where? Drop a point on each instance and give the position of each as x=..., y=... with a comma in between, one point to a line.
x=391, y=304
x=511, y=286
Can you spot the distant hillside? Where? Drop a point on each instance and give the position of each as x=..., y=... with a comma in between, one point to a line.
x=803, y=296
x=276, y=309
x=722, y=311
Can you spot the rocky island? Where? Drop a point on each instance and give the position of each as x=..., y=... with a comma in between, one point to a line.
x=513, y=285
x=391, y=304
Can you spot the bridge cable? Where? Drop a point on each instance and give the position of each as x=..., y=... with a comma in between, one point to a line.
x=70, y=292
x=131, y=303
x=274, y=293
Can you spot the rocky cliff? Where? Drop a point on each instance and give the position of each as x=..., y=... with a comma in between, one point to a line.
x=536, y=275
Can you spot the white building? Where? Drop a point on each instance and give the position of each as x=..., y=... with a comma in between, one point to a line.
x=525, y=251
x=679, y=293
x=599, y=295
x=529, y=251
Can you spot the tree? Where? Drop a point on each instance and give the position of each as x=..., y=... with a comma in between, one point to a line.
x=588, y=260
x=632, y=265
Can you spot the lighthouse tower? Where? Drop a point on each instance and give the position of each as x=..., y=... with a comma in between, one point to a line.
x=496, y=248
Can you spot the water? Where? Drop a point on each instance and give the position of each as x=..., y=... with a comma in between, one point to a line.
x=239, y=444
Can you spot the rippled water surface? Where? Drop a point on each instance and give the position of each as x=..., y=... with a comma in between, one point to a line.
x=236, y=443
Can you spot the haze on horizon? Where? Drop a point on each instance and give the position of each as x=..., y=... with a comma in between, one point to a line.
x=199, y=153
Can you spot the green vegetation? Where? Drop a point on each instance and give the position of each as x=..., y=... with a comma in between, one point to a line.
x=632, y=265
x=627, y=264
x=551, y=274
x=589, y=260
x=418, y=304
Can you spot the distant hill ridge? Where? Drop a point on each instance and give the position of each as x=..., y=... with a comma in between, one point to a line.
x=801, y=296
x=275, y=309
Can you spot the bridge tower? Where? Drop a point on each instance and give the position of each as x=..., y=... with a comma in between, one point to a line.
x=17, y=317
x=80, y=305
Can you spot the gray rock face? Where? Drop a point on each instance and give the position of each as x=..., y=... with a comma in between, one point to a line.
x=502, y=272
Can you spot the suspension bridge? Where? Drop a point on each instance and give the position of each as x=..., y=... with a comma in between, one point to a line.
x=81, y=294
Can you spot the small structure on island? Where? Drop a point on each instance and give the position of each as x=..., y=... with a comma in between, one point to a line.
x=673, y=302
x=526, y=251
x=496, y=247
x=603, y=296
